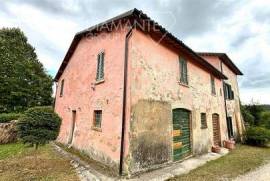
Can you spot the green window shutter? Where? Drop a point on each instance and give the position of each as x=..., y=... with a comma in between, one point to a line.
x=100, y=66
x=183, y=71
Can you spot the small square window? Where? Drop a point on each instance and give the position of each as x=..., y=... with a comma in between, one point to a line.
x=203, y=121
x=97, y=118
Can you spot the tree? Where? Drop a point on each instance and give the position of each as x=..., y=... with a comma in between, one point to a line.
x=265, y=116
x=248, y=117
x=38, y=126
x=24, y=82
x=255, y=109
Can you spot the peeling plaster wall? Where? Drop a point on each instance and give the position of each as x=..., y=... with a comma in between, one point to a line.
x=155, y=81
x=233, y=106
x=83, y=95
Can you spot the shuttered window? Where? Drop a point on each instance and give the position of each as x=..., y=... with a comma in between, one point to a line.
x=62, y=88
x=213, y=87
x=229, y=94
x=183, y=71
x=203, y=121
x=97, y=118
x=100, y=66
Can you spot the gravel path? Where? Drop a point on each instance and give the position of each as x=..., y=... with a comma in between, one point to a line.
x=260, y=174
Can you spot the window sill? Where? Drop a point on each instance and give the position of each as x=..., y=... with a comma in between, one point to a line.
x=99, y=81
x=203, y=127
x=183, y=84
x=96, y=129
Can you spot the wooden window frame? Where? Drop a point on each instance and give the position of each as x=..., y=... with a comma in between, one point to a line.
x=203, y=121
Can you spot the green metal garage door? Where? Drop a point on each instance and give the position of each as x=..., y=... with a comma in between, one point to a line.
x=181, y=134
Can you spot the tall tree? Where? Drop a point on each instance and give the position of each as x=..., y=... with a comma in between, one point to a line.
x=23, y=80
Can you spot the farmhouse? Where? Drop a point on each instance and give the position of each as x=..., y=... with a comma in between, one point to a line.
x=134, y=97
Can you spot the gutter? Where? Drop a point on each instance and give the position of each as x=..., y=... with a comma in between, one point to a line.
x=124, y=102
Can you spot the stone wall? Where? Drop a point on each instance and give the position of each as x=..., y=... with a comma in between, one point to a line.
x=8, y=133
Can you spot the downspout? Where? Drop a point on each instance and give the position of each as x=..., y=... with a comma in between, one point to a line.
x=124, y=102
x=225, y=103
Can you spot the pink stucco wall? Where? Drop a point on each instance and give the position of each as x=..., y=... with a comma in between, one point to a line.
x=213, y=60
x=152, y=85
x=233, y=106
x=155, y=78
x=83, y=95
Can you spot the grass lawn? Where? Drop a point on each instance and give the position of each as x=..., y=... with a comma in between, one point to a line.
x=239, y=161
x=18, y=162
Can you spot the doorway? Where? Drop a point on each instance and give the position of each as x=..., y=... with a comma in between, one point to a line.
x=181, y=134
x=72, y=127
x=216, y=130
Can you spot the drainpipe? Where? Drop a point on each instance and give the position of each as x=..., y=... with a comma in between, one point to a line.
x=124, y=102
x=225, y=103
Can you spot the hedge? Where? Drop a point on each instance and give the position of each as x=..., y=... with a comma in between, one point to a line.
x=38, y=126
x=258, y=136
x=6, y=117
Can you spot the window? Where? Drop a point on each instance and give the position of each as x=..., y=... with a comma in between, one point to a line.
x=100, y=66
x=97, y=118
x=203, y=121
x=213, y=87
x=183, y=71
x=62, y=88
x=229, y=94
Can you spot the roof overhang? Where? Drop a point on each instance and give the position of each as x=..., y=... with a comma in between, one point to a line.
x=139, y=16
x=225, y=59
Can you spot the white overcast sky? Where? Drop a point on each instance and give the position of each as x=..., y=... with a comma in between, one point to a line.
x=239, y=28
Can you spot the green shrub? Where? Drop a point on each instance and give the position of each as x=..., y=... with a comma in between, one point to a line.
x=265, y=116
x=38, y=126
x=6, y=117
x=258, y=136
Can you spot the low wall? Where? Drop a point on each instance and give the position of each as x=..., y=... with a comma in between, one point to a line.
x=8, y=132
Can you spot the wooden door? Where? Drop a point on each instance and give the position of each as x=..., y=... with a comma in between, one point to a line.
x=216, y=130
x=72, y=127
x=181, y=134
